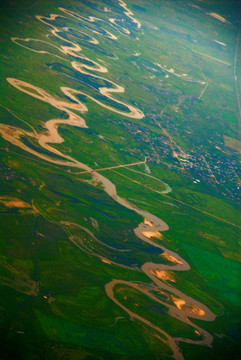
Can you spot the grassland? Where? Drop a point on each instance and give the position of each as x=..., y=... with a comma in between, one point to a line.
x=63, y=238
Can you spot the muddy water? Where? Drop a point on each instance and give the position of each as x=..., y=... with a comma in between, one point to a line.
x=179, y=305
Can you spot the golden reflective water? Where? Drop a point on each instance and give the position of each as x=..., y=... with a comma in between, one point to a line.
x=179, y=305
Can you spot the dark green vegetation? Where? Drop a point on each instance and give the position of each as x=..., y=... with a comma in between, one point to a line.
x=62, y=237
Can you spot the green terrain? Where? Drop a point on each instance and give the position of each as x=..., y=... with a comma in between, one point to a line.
x=120, y=180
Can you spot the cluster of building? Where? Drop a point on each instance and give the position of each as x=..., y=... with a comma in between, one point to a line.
x=211, y=164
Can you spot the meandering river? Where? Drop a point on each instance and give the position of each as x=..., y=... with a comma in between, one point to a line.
x=179, y=305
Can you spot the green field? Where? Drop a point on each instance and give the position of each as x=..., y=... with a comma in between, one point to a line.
x=110, y=114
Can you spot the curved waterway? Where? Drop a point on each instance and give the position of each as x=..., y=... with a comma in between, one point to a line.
x=179, y=305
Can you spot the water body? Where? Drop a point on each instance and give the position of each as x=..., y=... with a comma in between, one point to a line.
x=182, y=307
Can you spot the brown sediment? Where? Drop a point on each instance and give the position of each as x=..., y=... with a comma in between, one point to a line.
x=178, y=302
x=13, y=202
x=89, y=19
x=163, y=275
x=113, y=21
x=150, y=234
x=220, y=42
x=152, y=224
x=129, y=14
x=183, y=307
x=171, y=258
x=217, y=16
x=23, y=207
x=106, y=261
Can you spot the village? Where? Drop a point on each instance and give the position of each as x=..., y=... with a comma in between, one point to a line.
x=212, y=165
